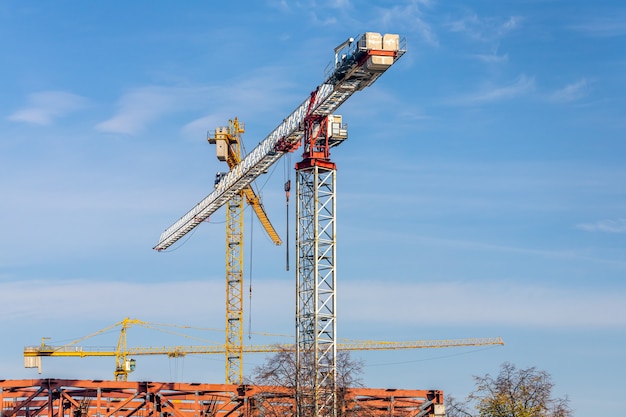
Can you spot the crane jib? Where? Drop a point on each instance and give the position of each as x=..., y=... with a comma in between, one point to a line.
x=356, y=66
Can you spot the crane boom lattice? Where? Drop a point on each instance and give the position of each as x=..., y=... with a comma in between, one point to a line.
x=357, y=65
x=124, y=364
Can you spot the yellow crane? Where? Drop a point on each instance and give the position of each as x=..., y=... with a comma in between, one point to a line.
x=229, y=149
x=124, y=364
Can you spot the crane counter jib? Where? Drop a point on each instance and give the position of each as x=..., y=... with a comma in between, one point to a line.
x=357, y=64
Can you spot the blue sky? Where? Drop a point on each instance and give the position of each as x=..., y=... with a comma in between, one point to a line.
x=480, y=193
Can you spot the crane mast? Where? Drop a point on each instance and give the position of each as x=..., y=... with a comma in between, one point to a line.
x=228, y=146
x=357, y=64
x=316, y=324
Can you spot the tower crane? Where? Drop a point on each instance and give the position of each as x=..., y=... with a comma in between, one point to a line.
x=125, y=364
x=228, y=146
x=357, y=64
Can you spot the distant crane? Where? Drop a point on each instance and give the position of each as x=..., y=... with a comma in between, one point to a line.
x=228, y=148
x=124, y=364
x=356, y=65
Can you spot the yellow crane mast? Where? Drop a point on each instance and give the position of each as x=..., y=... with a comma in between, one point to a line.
x=229, y=149
x=124, y=364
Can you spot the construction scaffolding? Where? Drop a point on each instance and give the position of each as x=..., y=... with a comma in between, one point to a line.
x=95, y=398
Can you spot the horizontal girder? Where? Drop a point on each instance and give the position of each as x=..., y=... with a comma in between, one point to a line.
x=96, y=398
x=85, y=351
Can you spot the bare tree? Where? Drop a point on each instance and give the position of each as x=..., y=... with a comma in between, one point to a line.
x=513, y=393
x=456, y=408
x=279, y=370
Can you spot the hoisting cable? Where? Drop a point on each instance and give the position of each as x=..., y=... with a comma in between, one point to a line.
x=287, y=190
x=250, y=278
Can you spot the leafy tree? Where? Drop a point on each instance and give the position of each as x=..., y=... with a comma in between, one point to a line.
x=513, y=393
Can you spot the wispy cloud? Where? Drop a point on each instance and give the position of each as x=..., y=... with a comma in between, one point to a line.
x=282, y=5
x=46, y=106
x=490, y=93
x=340, y=4
x=482, y=303
x=604, y=27
x=409, y=16
x=493, y=57
x=106, y=291
x=372, y=302
x=319, y=13
x=606, y=226
x=143, y=105
x=485, y=29
x=570, y=92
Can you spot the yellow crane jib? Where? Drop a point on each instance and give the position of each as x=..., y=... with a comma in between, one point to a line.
x=125, y=364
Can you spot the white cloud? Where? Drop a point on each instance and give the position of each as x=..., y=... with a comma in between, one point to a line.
x=604, y=27
x=492, y=57
x=320, y=13
x=373, y=302
x=519, y=87
x=45, y=106
x=340, y=4
x=282, y=5
x=143, y=105
x=409, y=17
x=570, y=92
x=607, y=226
x=184, y=299
x=485, y=29
x=263, y=90
x=481, y=303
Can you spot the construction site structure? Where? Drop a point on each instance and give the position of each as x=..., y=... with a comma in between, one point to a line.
x=357, y=64
x=125, y=364
x=229, y=149
x=94, y=398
